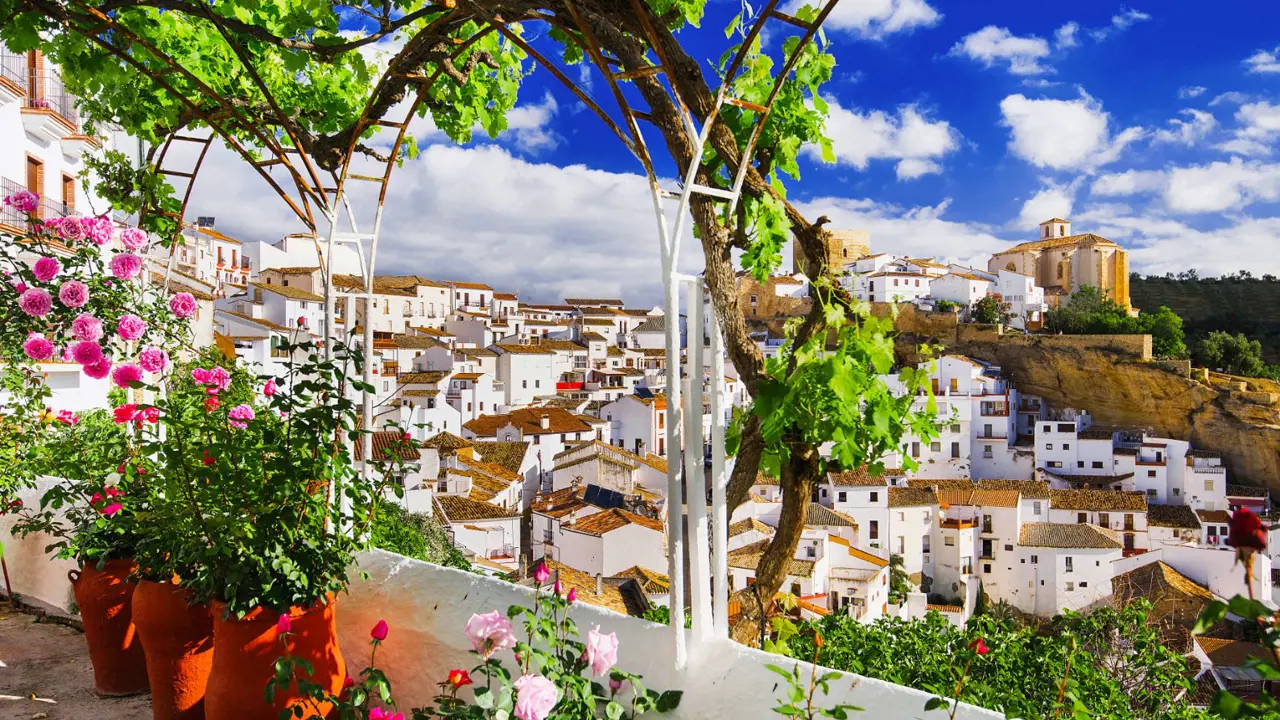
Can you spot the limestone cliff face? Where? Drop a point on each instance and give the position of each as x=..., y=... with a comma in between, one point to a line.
x=1244, y=428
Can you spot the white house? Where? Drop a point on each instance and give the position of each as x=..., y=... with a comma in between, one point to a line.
x=483, y=529
x=639, y=423
x=960, y=287
x=610, y=541
x=1063, y=566
x=526, y=372
x=1122, y=512
x=1026, y=299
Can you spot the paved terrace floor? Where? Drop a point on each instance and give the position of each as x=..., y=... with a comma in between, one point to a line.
x=51, y=662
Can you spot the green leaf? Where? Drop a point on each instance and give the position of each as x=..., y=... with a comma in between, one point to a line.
x=669, y=700
x=937, y=703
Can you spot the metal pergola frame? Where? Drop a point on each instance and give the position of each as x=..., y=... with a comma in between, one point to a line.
x=281, y=147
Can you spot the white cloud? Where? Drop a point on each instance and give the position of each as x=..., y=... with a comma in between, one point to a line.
x=1234, y=97
x=874, y=19
x=529, y=125
x=1264, y=61
x=910, y=137
x=1190, y=91
x=484, y=214
x=1129, y=182
x=997, y=46
x=1221, y=186
x=1065, y=36
x=1259, y=126
x=1051, y=201
x=1124, y=20
x=1187, y=132
x=920, y=231
x=1063, y=134
x=1247, y=148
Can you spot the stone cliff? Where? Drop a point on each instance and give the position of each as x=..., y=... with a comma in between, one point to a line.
x=1244, y=427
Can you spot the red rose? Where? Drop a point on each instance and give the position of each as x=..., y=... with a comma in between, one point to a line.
x=979, y=647
x=458, y=678
x=1247, y=531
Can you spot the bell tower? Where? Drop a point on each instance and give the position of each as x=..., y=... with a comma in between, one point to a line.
x=1055, y=228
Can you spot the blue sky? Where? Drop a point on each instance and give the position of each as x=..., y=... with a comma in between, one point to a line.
x=957, y=125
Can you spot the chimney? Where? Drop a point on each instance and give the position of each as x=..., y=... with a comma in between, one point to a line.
x=599, y=584
x=546, y=422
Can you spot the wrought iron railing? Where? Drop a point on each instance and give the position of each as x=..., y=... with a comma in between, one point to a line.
x=9, y=215
x=46, y=91
x=13, y=67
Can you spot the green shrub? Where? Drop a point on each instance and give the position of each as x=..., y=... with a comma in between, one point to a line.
x=415, y=535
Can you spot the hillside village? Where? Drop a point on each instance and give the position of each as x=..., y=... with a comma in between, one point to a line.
x=542, y=437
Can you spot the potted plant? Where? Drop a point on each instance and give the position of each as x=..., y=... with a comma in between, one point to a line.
x=258, y=509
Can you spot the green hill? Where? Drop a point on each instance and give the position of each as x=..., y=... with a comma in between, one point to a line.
x=1234, y=304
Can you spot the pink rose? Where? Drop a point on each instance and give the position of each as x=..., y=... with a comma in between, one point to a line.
x=66, y=417
x=131, y=327
x=97, y=229
x=98, y=370
x=270, y=387
x=379, y=631
x=86, y=327
x=153, y=360
x=239, y=416
x=126, y=266
x=19, y=287
x=133, y=239
x=46, y=269
x=73, y=294
x=219, y=378
x=35, y=302
x=602, y=651
x=283, y=624
x=70, y=230
x=490, y=632
x=86, y=352
x=125, y=375
x=535, y=697
x=112, y=509
x=37, y=347
x=24, y=201
x=183, y=305
x=541, y=573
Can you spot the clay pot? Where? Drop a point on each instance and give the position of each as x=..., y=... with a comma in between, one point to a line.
x=178, y=640
x=245, y=651
x=105, y=598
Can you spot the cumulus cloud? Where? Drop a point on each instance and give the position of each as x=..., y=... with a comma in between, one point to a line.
x=875, y=19
x=1063, y=134
x=1221, y=186
x=1264, y=61
x=1120, y=22
x=1190, y=91
x=1232, y=97
x=1051, y=201
x=993, y=46
x=1258, y=127
x=1187, y=132
x=1065, y=36
x=1129, y=182
x=909, y=136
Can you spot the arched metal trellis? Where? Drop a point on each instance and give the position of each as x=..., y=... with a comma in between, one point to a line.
x=324, y=196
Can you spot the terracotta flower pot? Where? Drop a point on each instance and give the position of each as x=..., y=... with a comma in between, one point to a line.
x=105, y=598
x=245, y=651
x=178, y=640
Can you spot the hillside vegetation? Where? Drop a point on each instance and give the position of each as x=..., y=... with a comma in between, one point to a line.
x=1235, y=304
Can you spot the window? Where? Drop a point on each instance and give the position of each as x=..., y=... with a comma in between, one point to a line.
x=915, y=449
x=1151, y=494
x=1097, y=464
x=1048, y=428
x=840, y=496
x=924, y=544
x=1070, y=586
x=810, y=552
x=753, y=299
x=1082, y=518
x=874, y=496
x=1066, y=446
x=949, y=541
x=1068, y=561
x=1048, y=446
x=1035, y=507
x=955, y=449
x=1151, y=473
x=1177, y=492
x=68, y=192
x=524, y=384
x=902, y=545
x=1008, y=548
x=1079, y=463
x=935, y=447
x=1055, y=463
x=874, y=533
x=1084, y=584
x=1208, y=485
x=1035, y=559
x=1104, y=520
x=955, y=427
x=986, y=567
x=537, y=383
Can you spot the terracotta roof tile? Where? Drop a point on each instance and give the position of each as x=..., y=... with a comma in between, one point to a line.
x=748, y=557
x=607, y=521
x=455, y=508
x=653, y=582
x=1232, y=653
x=1067, y=535
x=529, y=421
x=1030, y=489
x=612, y=596
x=860, y=477
x=1050, y=243
x=1115, y=500
x=826, y=517
x=1154, y=581
x=1173, y=516
x=749, y=524
x=509, y=455
x=911, y=497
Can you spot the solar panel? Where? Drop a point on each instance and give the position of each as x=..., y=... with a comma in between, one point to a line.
x=604, y=497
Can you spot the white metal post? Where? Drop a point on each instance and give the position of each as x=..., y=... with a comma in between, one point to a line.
x=694, y=471
x=675, y=489
x=719, y=484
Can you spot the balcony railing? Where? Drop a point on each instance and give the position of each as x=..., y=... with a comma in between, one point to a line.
x=46, y=91
x=13, y=67
x=10, y=216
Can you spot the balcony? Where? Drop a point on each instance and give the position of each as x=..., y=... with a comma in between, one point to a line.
x=48, y=110
x=13, y=77
x=958, y=524
x=992, y=436
x=15, y=221
x=994, y=410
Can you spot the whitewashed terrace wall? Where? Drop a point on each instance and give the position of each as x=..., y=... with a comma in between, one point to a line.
x=427, y=606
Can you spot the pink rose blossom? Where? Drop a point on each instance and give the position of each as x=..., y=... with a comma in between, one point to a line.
x=35, y=302
x=86, y=352
x=541, y=573
x=98, y=229
x=86, y=327
x=379, y=631
x=219, y=378
x=153, y=360
x=112, y=509
x=131, y=327
x=615, y=685
x=573, y=595
x=70, y=230
x=270, y=387
x=126, y=374
x=126, y=266
x=133, y=239
x=183, y=305
x=66, y=417
x=19, y=287
x=239, y=416
x=37, y=347
x=283, y=624
x=98, y=370
x=490, y=632
x=24, y=201
x=535, y=697
x=46, y=269
x=125, y=413
x=73, y=294
x=602, y=651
